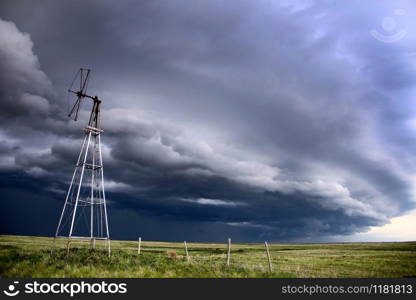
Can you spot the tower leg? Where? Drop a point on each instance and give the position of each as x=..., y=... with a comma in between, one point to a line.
x=92, y=192
x=68, y=193
x=103, y=194
x=79, y=189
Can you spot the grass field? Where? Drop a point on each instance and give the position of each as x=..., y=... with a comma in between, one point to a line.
x=31, y=257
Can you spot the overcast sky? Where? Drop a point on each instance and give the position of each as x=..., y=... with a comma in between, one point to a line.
x=255, y=120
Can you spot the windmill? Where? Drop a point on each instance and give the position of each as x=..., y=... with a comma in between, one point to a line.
x=84, y=215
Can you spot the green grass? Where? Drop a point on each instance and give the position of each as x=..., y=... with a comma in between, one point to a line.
x=31, y=257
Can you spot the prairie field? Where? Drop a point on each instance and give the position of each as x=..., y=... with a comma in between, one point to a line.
x=22, y=256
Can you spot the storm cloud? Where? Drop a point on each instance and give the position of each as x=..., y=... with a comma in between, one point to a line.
x=256, y=119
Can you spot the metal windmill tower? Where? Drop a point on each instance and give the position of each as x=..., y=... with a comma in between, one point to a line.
x=84, y=215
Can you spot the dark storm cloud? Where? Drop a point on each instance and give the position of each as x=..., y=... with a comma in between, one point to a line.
x=257, y=119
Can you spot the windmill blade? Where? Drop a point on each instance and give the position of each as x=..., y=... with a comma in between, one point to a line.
x=85, y=73
x=69, y=94
x=75, y=109
x=80, y=79
x=83, y=76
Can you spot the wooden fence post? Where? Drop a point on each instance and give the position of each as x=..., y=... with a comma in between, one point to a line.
x=229, y=252
x=186, y=251
x=268, y=257
x=139, y=245
x=109, y=247
x=67, y=247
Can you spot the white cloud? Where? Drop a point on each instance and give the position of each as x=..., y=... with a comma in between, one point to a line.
x=213, y=202
x=247, y=225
